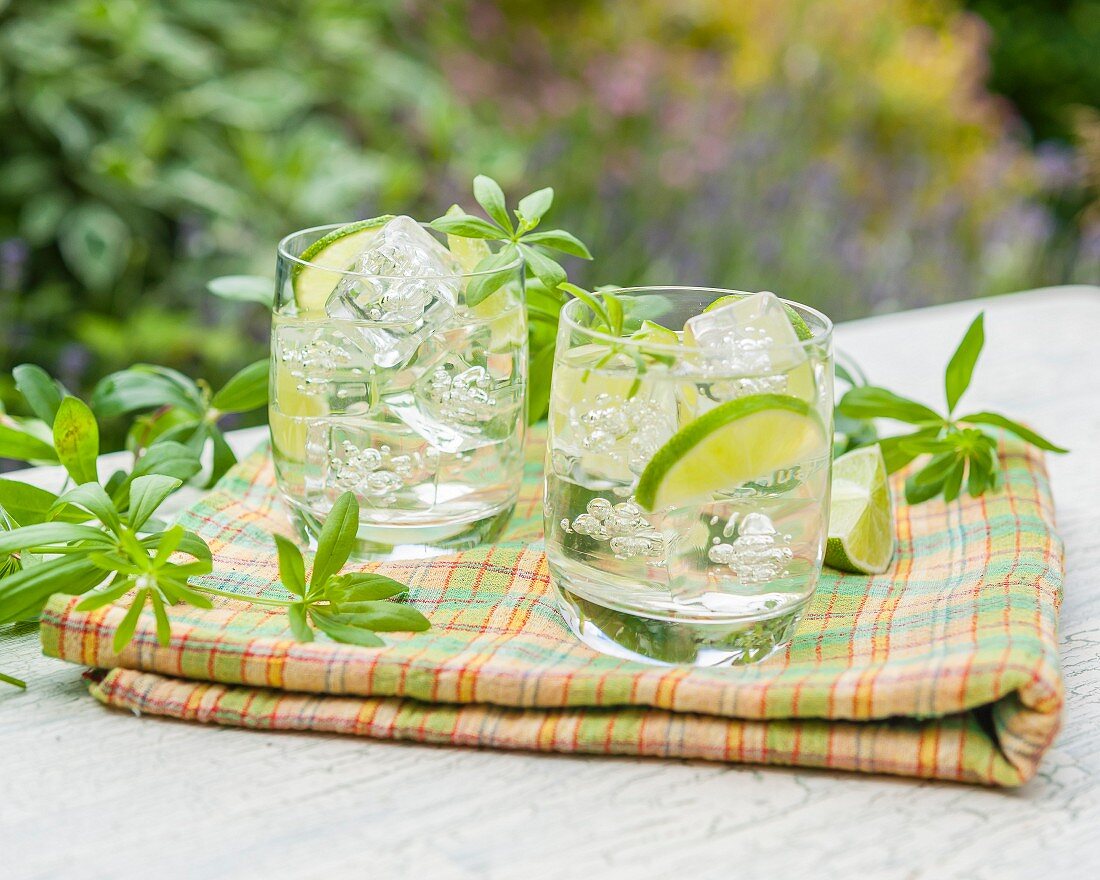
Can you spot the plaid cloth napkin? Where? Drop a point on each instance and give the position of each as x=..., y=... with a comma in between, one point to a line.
x=945, y=667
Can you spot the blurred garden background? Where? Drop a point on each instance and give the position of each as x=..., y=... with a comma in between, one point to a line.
x=859, y=155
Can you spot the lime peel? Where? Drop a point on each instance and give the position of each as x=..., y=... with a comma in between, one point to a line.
x=730, y=445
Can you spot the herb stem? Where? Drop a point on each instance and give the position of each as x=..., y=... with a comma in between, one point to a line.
x=255, y=600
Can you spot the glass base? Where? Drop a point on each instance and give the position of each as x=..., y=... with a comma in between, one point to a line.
x=669, y=641
x=382, y=542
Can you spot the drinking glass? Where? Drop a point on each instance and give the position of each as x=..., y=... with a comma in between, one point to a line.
x=687, y=486
x=398, y=388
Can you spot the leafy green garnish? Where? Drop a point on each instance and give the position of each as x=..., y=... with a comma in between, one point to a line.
x=180, y=410
x=963, y=453
x=518, y=238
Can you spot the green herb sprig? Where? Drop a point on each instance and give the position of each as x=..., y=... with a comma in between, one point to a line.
x=963, y=449
x=518, y=238
x=181, y=410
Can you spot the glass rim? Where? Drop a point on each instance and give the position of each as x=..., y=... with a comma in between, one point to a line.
x=284, y=254
x=568, y=319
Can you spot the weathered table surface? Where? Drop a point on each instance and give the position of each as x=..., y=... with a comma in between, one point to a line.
x=91, y=792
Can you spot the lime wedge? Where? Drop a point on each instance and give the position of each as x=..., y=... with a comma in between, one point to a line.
x=328, y=256
x=652, y=332
x=730, y=445
x=861, y=518
x=801, y=328
x=288, y=412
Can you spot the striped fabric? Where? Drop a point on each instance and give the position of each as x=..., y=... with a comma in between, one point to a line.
x=946, y=667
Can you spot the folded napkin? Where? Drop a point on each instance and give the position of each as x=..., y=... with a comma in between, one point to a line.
x=945, y=667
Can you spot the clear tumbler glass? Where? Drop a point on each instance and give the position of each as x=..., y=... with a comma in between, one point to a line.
x=687, y=471
x=396, y=386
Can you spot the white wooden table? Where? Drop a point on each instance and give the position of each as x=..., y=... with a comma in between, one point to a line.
x=90, y=792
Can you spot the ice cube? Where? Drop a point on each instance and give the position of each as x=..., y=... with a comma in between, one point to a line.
x=405, y=288
x=749, y=346
x=459, y=402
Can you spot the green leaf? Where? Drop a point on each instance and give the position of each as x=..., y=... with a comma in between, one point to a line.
x=361, y=587
x=24, y=447
x=467, y=226
x=544, y=268
x=614, y=308
x=147, y=493
x=23, y=594
x=98, y=599
x=382, y=616
x=1025, y=434
x=164, y=628
x=76, y=439
x=532, y=207
x=872, y=402
x=168, y=458
x=491, y=197
x=299, y=622
x=93, y=498
x=953, y=480
x=42, y=534
x=126, y=628
x=194, y=545
x=559, y=240
x=224, y=456
x=343, y=632
x=595, y=305
x=500, y=269
x=43, y=394
x=27, y=504
x=144, y=386
x=894, y=452
x=292, y=569
x=336, y=541
x=939, y=466
x=243, y=288
x=961, y=366
x=178, y=590
x=244, y=391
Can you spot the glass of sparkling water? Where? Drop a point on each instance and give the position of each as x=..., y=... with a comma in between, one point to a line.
x=394, y=375
x=687, y=471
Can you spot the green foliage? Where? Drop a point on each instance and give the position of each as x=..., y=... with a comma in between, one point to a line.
x=104, y=539
x=959, y=446
x=1044, y=59
x=846, y=155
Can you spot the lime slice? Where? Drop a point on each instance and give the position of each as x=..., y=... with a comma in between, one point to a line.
x=801, y=328
x=730, y=445
x=328, y=256
x=288, y=412
x=652, y=332
x=861, y=518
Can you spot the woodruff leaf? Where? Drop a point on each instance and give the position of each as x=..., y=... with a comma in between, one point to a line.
x=532, y=207
x=243, y=288
x=873, y=402
x=147, y=494
x=545, y=269
x=559, y=240
x=24, y=446
x=1024, y=433
x=491, y=197
x=337, y=538
x=43, y=394
x=960, y=368
x=76, y=439
x=246, y=390
x=292, y=570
